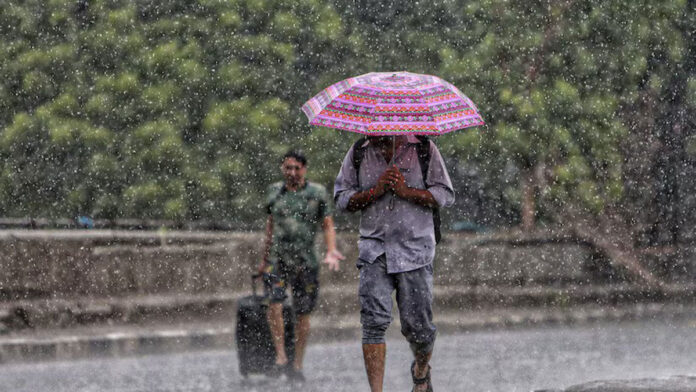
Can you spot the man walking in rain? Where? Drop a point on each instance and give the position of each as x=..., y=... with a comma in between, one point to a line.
x=296, y=209
x=396, y=193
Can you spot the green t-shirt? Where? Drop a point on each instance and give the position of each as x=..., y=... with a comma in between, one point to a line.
x=297, y=216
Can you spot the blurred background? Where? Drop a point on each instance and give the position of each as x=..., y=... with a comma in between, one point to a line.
x=180, y=110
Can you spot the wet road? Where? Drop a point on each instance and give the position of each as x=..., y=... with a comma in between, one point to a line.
x=502, y=360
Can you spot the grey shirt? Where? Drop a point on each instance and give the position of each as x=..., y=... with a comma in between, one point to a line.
x=405, y=233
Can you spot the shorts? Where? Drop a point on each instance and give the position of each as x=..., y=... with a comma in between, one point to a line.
x=303, y=280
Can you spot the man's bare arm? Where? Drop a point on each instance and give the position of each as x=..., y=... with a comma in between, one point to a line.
x=329, y=233
x=421, y=197
x=363, y=199
x=333, y=256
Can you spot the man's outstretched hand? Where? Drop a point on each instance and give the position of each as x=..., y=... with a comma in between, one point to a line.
x=332, y=259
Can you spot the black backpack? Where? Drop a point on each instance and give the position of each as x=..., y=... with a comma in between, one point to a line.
x=423, y=149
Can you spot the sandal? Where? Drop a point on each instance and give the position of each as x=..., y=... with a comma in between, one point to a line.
x=276, y=370
x=295, y=376
x=421, y=381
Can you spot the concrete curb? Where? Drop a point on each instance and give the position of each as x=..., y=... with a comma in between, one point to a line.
x=216, y=307
x=124, y=343
x=133, y=341
x=671, y=384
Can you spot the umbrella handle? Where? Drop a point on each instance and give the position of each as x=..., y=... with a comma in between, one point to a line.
x=393, y=160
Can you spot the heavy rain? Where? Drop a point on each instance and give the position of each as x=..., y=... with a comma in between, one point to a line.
x=347, y=195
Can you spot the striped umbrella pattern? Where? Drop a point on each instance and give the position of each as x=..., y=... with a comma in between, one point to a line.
x=393, y=103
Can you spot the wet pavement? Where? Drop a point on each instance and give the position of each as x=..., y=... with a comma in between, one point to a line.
x=520, y=359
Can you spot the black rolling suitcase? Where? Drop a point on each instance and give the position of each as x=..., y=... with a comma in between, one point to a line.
x=253, y=335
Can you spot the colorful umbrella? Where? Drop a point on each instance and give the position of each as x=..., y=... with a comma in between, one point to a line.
x=393, y=103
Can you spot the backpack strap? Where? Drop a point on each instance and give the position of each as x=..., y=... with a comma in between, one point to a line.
x=423, y=149
x=275, y=198
x=358, y=155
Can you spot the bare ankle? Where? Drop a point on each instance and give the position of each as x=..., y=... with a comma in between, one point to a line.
x=282, y=360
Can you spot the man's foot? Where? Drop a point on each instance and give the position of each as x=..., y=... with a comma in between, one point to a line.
x=295, y=376
x=421, y=384
x=278, y=370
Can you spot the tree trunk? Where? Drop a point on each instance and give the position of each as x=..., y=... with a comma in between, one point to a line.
x=614, y=239
x=528, y=210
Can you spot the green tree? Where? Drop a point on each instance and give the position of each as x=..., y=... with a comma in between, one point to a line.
x=553, y=78
x=146, y=109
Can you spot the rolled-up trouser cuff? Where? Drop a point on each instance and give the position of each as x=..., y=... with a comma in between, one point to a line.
x=374, y=334
x=423, y=347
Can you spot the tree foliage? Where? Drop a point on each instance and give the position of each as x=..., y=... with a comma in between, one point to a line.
x=181, y=109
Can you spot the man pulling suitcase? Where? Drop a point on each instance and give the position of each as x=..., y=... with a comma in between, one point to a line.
x=296, y=210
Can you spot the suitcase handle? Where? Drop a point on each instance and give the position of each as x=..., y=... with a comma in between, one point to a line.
x=254, y=277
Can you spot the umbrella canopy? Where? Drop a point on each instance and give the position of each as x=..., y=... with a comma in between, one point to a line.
x=393, y=103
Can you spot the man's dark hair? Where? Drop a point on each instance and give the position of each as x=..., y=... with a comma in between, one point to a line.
x=298, y=155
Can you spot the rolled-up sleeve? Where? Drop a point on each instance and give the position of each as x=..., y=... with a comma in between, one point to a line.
x=346, y=184
x=438, y=182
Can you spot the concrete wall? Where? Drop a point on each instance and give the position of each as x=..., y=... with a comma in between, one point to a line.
x=122, y=263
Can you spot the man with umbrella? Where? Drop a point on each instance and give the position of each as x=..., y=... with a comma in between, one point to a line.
x=398, y=182
x=397, y=244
